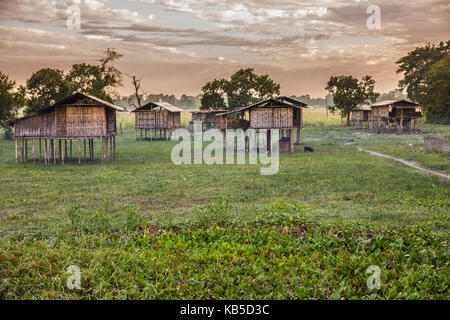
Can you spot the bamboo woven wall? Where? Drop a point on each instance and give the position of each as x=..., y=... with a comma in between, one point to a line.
x=83, y=122
x=271, y=118
x=358, y=115
x=380, y=112
x=36, y=126
x=111, y=121
x=157, y=119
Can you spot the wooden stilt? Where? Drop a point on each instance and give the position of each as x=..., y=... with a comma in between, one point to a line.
x=92, y=145
x=54, y=151
x=33, y=149
x=15, y=140
x=291, y=140
x=63, y=155
x=79, y=151
x=60, y=150
x=299, y=135
x=45, y=151
x=141, y=134
x=26, y=149
x=40, y=150
x=84, y=143
x=151, y=135
x=71, y=148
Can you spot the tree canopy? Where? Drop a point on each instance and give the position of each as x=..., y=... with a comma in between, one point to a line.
x=425, y=77
x=244, y=88
x=11, y=98
x=348, y=93
x=47, y=85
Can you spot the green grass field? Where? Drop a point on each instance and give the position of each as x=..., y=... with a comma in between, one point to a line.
x=141, y=227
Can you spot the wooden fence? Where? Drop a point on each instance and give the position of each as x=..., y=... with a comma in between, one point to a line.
x=440, y=144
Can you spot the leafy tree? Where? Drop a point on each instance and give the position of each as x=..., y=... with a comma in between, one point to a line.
x=436, y=99
x=416, y=64
x=97, y=80
x=213, y=96
x=244, y=88
x=11, y=100
x=348, y=93
x=45, y=87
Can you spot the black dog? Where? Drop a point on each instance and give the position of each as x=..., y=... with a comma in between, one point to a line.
x=309, y=149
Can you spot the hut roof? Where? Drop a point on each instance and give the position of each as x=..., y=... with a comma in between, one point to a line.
x=395, y=103
x=363, y=108
x=164, y=105
x=71, y=100
x=207, y=111
x=279, y=102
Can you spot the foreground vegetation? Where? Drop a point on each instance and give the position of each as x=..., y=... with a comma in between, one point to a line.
x=272, y=254
x=141, y=228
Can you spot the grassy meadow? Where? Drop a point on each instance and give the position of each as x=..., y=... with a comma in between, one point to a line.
x=141, y=227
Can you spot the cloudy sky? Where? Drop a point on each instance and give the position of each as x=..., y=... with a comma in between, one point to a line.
x=178, y=45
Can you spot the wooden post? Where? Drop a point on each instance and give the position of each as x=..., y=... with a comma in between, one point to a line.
x=54, y=151
x=299, y=135
x=79, y=151
x=291, y=140
x=26, y=150
x=401, y=121
x=71, y=148
x=40, y=150
x=110, y=149
x=22, y=151
x=84, y=143
x=106, y=149
x=103, y=150
x=15, y=140
x=45, y=151
x=269, y=141
x=93, y=148
x=60, y=150
x=33, y=149
x=151, y=135
x=165, y=134
x=120, y=125
x=64, y=153
x=141, y=134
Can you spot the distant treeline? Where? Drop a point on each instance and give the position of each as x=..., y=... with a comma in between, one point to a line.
x=185, y=102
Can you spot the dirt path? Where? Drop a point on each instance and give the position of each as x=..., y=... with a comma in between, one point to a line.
x=408, y=163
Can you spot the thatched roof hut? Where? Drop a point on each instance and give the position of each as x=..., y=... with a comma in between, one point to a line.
x=400, y=114
x=283, y=113
x=157, y=115
x=77, y=117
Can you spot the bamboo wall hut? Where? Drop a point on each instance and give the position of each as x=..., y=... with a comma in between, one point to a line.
x=80, y=118
x=283, y=114
x=210, y=119
x=157, y=116
x=396, y=115
x=360, y=117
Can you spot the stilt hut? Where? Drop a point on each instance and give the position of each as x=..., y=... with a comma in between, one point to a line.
x=396, y=115
x=157, y=116
x=209, y=118
x=283, y=114
x=79, y=118
x=360, y=117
